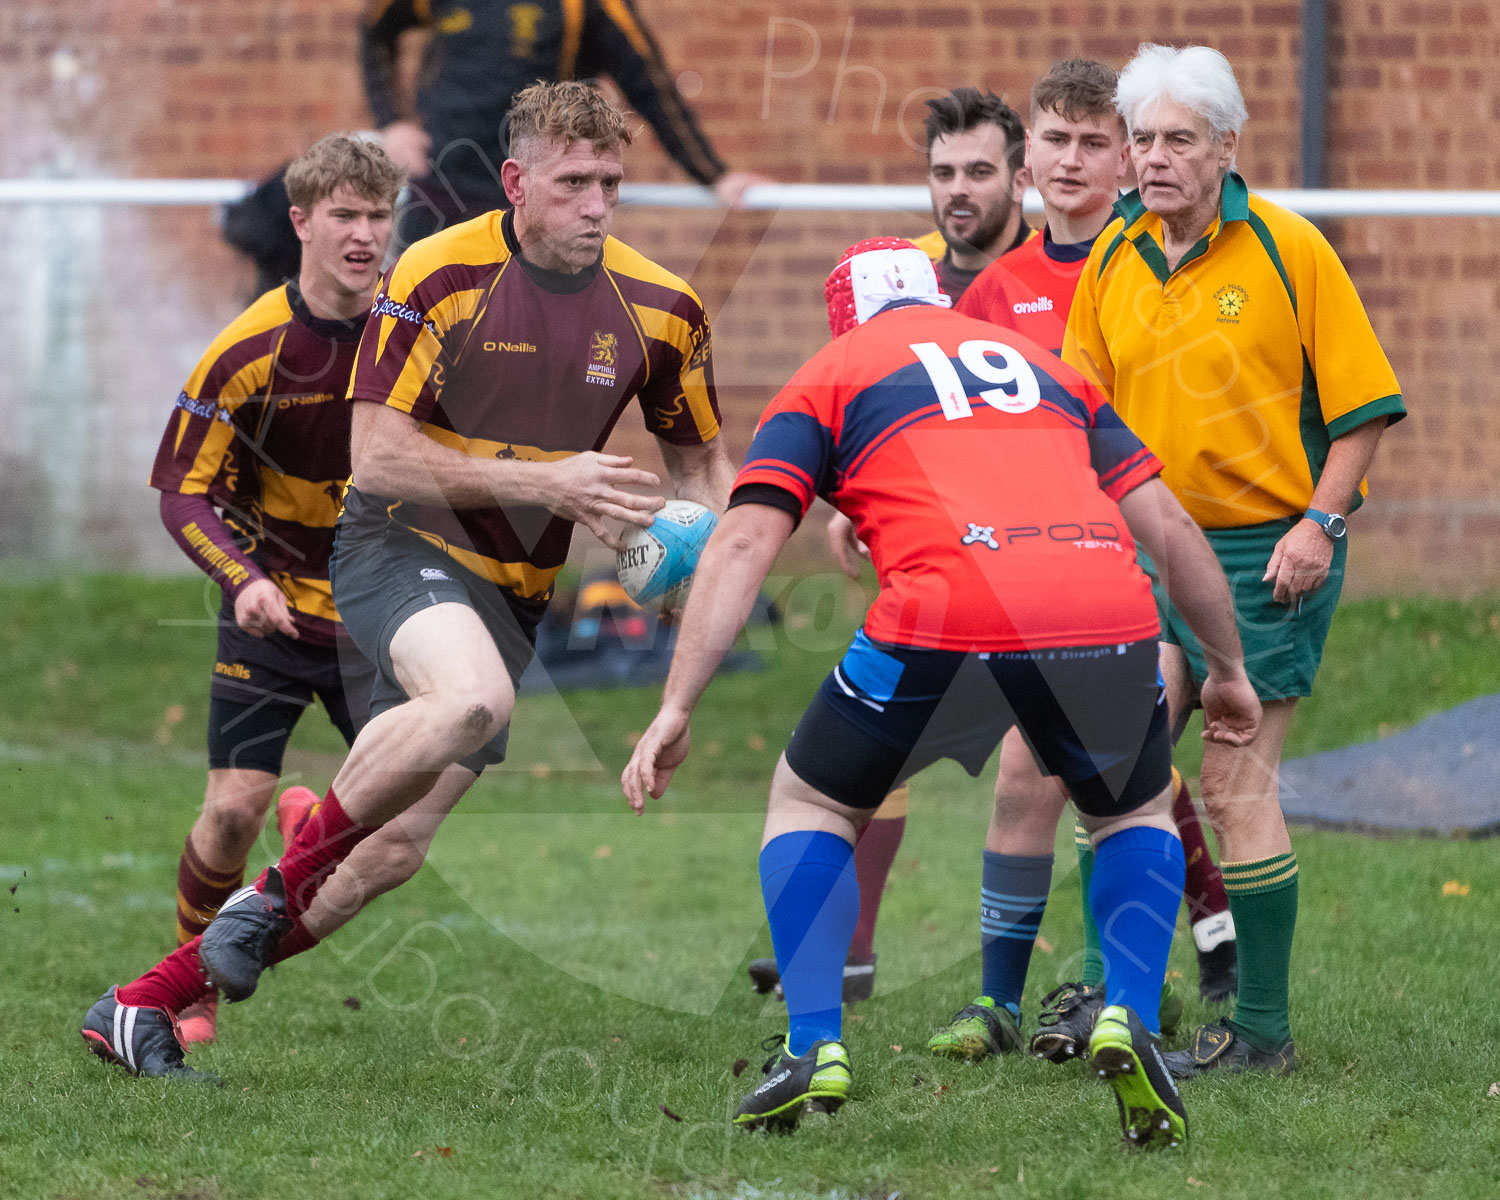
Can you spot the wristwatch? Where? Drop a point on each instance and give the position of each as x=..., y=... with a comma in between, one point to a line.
x=1332, y=524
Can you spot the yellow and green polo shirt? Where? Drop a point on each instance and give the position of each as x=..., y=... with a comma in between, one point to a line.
x=1239, y=368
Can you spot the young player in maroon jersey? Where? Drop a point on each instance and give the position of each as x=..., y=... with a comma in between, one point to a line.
x=250, y=470
x=999, y=496
x=497, y=359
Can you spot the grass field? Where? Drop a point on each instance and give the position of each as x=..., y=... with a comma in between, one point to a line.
x=554, y=1006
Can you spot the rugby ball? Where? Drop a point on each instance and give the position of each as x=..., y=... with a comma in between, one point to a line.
x=656, y=564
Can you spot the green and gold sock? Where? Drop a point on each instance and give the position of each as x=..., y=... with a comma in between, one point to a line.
x=1263, y=899
x=1093, y=958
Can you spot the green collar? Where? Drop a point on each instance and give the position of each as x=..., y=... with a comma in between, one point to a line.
x=1234, y=205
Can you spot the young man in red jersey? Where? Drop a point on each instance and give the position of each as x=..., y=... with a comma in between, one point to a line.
x=459, y=512
x=999, y=496
x=1077, y=152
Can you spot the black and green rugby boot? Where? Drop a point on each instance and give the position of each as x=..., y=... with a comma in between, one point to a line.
x=1066, y=1021
x=1125, y=1055
x=815, y=1082
x=1217, y=1047
x=977, y=1031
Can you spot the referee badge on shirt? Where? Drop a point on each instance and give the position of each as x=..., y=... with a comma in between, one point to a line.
x=1232, y=300
x=604, y=348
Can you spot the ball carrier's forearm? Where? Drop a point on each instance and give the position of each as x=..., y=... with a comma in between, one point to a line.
x=392, y=457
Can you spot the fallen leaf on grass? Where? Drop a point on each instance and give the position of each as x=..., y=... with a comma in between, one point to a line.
x=739, y=1066
x=756, y=742
x=940, y=1090
x=1044, y=945
x=352, y=1002
x=667, y=1112
x=604, y=852
x=1454, y=888
x=896, y=1046
x=445, y=1151
x=1195, y=1182
x=1494, y=1090
x=541, y=770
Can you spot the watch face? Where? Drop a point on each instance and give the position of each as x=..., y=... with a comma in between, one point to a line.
x=1336, y=527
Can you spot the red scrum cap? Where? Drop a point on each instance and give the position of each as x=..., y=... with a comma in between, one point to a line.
x=874, y=272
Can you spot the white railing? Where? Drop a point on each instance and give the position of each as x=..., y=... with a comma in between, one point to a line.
x=807, y=197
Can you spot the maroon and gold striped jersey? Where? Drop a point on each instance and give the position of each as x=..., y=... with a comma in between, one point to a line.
x=262, y=429
x=499, y=358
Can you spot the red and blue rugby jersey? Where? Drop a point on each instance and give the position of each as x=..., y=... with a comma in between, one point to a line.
x=981, y=471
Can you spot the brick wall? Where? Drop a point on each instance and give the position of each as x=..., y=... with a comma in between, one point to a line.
x=111, y=307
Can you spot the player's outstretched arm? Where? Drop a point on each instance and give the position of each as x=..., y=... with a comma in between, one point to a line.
x=725, y=587
x=392, y=457
x=1195, y=582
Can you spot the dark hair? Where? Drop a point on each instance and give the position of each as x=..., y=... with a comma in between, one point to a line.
x=964, y=108
x=1075, y=89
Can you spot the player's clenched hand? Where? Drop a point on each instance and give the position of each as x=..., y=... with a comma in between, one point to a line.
x=1299, y=564
x=261, y=607
x=1231, y=710
x=657, y=756
x=845, y=544
x=590, y=488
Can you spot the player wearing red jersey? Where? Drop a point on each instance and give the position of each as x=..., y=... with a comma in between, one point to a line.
x=976, y=180
x=497, y=359
x=1007, y=597
x=1076, y=151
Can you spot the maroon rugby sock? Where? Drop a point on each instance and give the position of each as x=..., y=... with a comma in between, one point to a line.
x=174, y=984
x=200, y=892
x=1204, y=888
x=296, y=940
x=874, y=852
x=328, y=837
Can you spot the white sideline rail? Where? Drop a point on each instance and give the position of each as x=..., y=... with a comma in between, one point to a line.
x=803, y=197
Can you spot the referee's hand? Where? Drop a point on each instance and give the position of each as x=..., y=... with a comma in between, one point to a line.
x=261, y=608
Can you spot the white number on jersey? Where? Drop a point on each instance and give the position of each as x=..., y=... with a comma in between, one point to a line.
x=1011, y=371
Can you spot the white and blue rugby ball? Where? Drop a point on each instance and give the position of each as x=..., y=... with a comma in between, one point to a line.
x=656, y=564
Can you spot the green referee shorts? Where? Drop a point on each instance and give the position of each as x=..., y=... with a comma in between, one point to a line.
x=1283, y=645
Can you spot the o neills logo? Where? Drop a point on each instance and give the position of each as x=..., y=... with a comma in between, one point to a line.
x=513, y=347
x=1041, y=305
x=233, y=670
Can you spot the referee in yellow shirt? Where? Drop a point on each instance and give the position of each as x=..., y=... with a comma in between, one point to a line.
x=1232, y=341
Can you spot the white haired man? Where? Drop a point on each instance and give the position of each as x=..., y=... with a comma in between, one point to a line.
x=1231, y=340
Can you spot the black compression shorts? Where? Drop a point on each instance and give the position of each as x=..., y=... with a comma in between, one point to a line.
x=1094, y=715
x=261, y=686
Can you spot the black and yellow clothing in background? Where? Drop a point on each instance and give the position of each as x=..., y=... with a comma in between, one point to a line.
x=482, y=52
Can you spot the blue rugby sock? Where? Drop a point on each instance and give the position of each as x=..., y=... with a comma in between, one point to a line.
x=1135, y=894
x=812, y=902
x=1012, y=898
